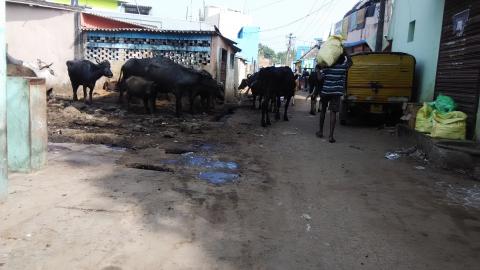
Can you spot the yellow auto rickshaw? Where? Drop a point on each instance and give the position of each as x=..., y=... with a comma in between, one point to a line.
x=378, y=83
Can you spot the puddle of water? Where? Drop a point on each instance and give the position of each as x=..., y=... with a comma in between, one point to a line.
x=218, y=178
x=465, y=196
x=191, y=159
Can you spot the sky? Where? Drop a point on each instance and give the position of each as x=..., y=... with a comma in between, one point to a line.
x=274, y=17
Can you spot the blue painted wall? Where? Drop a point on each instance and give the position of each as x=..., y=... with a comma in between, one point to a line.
x=248, y=40
x=301, y=50
x=3, y=108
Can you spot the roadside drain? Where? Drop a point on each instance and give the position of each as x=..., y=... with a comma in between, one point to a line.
x=149, y=167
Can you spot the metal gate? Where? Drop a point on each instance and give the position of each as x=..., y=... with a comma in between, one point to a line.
x=458, y=72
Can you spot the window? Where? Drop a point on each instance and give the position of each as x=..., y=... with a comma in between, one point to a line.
x=411, y=31
x=232, y=60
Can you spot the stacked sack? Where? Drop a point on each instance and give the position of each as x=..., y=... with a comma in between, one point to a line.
x=440, y=119
x=330, y=51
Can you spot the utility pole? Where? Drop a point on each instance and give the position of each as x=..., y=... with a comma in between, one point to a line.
x=290, y=41
x=381, y=23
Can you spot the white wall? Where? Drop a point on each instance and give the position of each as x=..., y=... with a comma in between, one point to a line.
x=41, y=33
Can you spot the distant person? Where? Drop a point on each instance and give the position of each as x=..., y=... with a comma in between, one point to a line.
x=334, y=82
x=305, y=75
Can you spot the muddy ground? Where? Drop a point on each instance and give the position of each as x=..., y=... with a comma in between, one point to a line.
x=217, y=191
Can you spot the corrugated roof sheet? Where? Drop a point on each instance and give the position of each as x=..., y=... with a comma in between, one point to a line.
x=155, y=22
x=150, y=30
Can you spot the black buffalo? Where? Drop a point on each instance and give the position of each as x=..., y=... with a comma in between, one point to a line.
x=252, y=83
x=276, y=82
x=86, y=73
x=182, y=81
x=146, y=90
x=132, y=67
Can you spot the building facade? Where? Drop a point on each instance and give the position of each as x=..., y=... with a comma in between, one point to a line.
x=416, y=30
x=57, y=33
x=458, y=72
x=48, y=34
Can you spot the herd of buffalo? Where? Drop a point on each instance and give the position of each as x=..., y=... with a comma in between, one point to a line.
x=148, y=77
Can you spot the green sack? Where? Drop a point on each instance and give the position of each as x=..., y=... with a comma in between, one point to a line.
x=423, y=122
x=444, y=104
x=452, y=125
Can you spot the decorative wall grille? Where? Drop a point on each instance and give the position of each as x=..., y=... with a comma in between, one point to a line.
x=185, y=49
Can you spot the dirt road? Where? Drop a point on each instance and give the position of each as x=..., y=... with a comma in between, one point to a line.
x=296, y=202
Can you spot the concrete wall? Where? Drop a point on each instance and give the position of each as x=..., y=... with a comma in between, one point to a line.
x=42, y=33
x=3, y=110
x=219, y=43
x=229, y=22
x=428, y=15
x=248, y=41
x=241, y=70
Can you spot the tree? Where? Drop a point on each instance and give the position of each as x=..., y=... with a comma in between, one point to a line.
x=266, y=52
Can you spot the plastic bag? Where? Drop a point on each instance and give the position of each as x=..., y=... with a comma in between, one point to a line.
x=330, y=51
x=452, y=125
x=444, y=104
x=424, y=120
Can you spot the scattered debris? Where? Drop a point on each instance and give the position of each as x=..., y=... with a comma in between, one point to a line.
x=356, y=147
x=286, y=133
x=71, y=111
x=392, y=155
x=191, y=128
x=306, y=217
x=419, y=167
x=139, y=128
x=308, y=227
x=169, y=134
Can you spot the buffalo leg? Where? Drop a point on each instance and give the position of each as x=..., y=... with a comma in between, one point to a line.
x=91, y=92
x=178, y=105
x=145, y=104
x=265, y=112
x=192, y=101
x=75, y=87
x=277, y=108
x=85, y=96
x=254, y=106
x=153, y=102
x=128, y=102
x=285, y=113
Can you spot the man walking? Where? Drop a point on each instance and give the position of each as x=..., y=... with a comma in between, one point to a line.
x=305, y=75
x=334, y=82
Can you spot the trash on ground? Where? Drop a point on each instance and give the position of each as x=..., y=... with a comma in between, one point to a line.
x=285, y=133
x=392, y=155
x=306, y=217
x=419, y=167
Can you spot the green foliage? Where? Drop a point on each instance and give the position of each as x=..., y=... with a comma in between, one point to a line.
x=277, y=58
x=266, y=51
